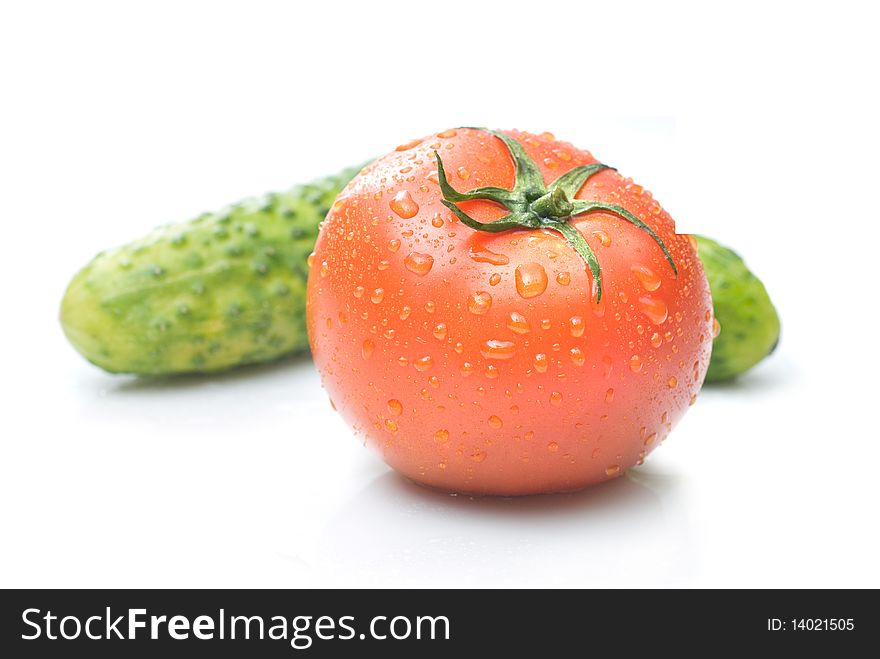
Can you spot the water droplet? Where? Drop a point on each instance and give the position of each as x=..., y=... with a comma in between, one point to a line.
x=609, y=395
x=495, y=421
x=367, y=348
x=541, y=362
x=408, y=145
x=612, y=470
x=603, y=238
x=576, y=326
x=325, y=269
x=531, y=279
x=553, y=447
x=546, y=324
x=493, y=349
x=358, y=292
x=487, y=256
x=388, y=333
x=310, y=261
x=393, y=245
x=430, y=307
x=404, y=205
x=420, y=264
x=492, y=371
x=693, y=399
x=716, y=328
x=563, y=278
x=635, y=363
x=441, y=436
x=434, y=381
x=656, y=340
x=377, y=295
x=441, y=464
x=672, y=382
x=649, y=439
x=648, y=278
x=463, y=174
x=478, y=455
x=383, y=265
x=405, y=311
x=577, y=356
x=403, y=361
x=395, y=407
x=556, y=398
x=391, y=425
x=654, y=309
x=518, y=323
x=423, y=363
x=466, y=369
x=479, y=303
x=437, y=221
x=440, y=331
x=448, y=133
x=494, y=279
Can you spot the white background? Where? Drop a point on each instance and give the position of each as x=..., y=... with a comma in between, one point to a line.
x=756, y=124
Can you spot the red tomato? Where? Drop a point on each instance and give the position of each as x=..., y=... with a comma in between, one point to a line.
x=493, y=362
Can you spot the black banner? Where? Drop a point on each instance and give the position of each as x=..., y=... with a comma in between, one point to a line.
x=278, y=623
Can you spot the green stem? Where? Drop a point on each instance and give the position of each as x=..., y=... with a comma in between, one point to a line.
x=576, y=240
x=533, y=205
x=553, y=204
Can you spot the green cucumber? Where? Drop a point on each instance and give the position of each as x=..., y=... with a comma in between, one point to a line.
x=749, y=322
x=225, y=289
x=229, y=288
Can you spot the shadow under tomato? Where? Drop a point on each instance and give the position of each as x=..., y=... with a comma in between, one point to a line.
x=396, y=533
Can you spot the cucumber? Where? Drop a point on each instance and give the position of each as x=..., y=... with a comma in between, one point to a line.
x=229, y=288
x=749, y=322
x=225, y=289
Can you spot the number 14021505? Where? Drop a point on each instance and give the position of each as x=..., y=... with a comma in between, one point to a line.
x=811, y=624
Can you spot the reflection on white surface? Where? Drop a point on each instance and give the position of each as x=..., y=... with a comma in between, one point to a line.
x=395, y=533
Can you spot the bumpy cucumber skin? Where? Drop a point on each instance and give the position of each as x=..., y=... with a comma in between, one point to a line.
x=223, y=290
x=748, y=319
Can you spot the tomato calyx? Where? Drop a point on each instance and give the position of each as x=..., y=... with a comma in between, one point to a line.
x=533, y=205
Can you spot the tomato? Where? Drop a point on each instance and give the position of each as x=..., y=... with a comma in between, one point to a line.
x=554, y=353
